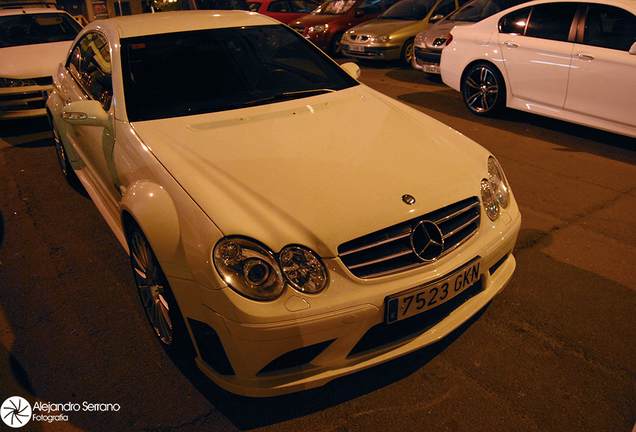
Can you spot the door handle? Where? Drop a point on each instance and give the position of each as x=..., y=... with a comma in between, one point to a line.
x=585, y=56
x=511, y=44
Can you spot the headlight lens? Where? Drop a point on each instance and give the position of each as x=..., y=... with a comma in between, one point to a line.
x=248, y=268
x=319, y=28
x=251, y=270
x=495, y=192
x=382, y=39
x=303, y=269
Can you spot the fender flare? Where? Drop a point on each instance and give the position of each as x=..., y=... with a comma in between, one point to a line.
x=152, y=208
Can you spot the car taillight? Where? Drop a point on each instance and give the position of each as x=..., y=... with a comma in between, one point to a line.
x=449, y=39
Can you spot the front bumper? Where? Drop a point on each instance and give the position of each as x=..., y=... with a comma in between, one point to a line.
x=371, y=52
x=426, y=60
x=314, y=344
x=23, y=102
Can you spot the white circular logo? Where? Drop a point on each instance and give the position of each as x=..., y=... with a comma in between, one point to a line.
x=15, y=412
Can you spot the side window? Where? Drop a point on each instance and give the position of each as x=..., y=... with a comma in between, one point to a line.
x=371, y=6
x=444, y=8
x=551, y=21
x=515, y=22
x=303, y=6
x=90, y=66
x=278, y=6
x=609, y=27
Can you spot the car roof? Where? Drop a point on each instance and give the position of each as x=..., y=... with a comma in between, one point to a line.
x=178, y=21
x=626, y=4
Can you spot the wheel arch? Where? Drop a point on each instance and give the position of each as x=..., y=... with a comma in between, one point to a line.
x=149, y=206
x=483, y=61
x=503, y=102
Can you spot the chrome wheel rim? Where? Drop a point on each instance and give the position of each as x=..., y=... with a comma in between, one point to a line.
x=61, y=153
x=409, y=53
x=481, y=90
x=152, y=287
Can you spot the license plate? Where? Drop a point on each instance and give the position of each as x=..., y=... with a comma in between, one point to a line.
x=426, y=297
x=432, y=68
x=356, y=48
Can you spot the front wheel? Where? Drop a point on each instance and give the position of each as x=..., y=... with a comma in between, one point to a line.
x=335, y=47
x=62, y=156
x=156, y=297
x=484, y=90
x=407, y=52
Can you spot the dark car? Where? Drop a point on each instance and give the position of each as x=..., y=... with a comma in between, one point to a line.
x=284, y=11
x=326, y=25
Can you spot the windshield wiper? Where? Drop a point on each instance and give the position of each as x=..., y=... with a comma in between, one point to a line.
x=288, y=96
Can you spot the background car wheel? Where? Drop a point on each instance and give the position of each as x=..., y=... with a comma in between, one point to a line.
x=407, y=52
x=62, y=156
x=484, y=90
x=156, y=297
x=335, y=47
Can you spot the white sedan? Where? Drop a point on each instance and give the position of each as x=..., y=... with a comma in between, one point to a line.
x=285, y=221
x=568, y=59
x=33, y=42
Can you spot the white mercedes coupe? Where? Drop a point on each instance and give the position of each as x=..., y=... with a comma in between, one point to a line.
x=288, y=223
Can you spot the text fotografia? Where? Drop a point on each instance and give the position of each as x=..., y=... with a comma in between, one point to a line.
x=16, y=411
x=68, y=407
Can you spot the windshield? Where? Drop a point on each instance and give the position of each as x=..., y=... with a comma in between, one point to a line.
x=334, y=7
x=179, y=74
x=411, y=10
x=30, y=29
x=478, y=10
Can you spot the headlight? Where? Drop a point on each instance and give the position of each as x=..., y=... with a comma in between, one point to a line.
x=382, y=39
x=253, y=271
x=495, y=192
x=248, y=268
x=303, y=269
x=319, y=28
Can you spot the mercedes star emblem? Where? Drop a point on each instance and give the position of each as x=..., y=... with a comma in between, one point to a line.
x=427, y=241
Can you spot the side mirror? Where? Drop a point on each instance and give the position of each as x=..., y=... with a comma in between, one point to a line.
x=85, y=113
x=360, y=13
x=436, y=18
x=632, y=50
x=352, y=69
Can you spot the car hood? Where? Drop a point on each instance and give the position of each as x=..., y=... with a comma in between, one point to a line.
x=32, y=61
x=439, y=30
x=378, y=27
x=317, y=171
x=311, y=19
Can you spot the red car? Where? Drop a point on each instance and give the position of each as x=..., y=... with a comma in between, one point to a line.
x=326, y=25
x=284, y=11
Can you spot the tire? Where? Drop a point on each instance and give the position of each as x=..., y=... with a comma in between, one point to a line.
x=484, y=90
x=62, y=156
x=335, y=46
x=156, y=296
x=406, y=57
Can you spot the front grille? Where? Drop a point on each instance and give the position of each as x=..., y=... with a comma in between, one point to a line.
x=359, y=38
x=299, y=29
x=389, y=250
